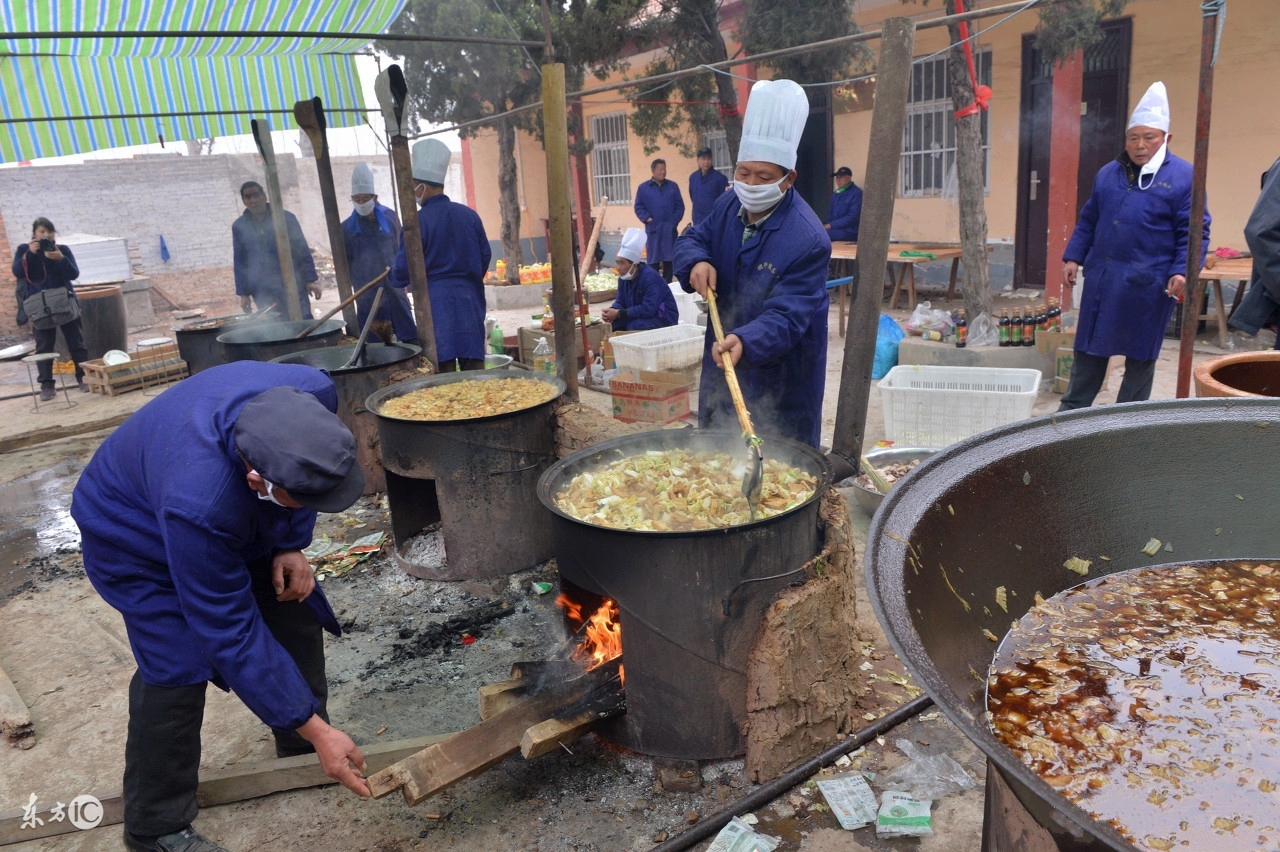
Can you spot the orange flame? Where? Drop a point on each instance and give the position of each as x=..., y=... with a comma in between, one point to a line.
x=602, y=634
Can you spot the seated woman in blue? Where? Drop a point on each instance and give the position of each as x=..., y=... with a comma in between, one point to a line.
x=644, y=300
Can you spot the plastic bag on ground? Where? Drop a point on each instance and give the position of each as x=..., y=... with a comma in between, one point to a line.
x=887, y=338
x=926, y=317
x=983, y=332
x=924, y=775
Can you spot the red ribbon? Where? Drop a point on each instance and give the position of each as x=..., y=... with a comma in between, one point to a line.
x=981, y=94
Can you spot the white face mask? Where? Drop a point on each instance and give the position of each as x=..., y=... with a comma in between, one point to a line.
x=631, y=273
x=1150, y=167
x=270, y=495
x=366, y=208
x=759, y=198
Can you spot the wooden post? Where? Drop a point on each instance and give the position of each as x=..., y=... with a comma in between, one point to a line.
x=887, y=120
x=1193, y=294
x=310, y=117
x=262, y=135
x=391, y=90
x=556, y=136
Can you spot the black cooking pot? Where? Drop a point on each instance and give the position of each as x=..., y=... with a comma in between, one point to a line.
x=1009, y=506
x=690, y=602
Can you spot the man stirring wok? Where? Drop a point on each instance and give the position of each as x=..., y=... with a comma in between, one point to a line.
x=193, y=516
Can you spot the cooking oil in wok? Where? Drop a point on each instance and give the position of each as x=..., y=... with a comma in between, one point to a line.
x=1151, y=698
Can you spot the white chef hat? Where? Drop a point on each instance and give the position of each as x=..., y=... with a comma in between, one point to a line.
x=633, y=242
x=771, y=129
x=1152, y=110
x=431, y=161
x=362, y=180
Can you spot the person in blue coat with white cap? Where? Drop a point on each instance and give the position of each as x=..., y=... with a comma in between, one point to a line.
x=371, y=237
x=193, y=515
x=457, y=255
x=765, y=253
x=1131, y=240
x=644, y=300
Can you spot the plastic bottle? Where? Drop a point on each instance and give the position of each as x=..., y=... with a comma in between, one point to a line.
x=541, y=353
x=962, y=330
x=1004, y=327
x=497, y=346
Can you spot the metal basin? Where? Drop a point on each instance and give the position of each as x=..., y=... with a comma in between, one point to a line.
x=690, y=602
x=269, y=340
x=869, y=499
x=1009, y=506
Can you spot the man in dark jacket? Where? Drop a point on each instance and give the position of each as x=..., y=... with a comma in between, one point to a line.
x=660, y=207
x=371, y=236
x=256, y=262
x=193, y=515
x=1261, y=304
x=706, y=185
x=846, y=207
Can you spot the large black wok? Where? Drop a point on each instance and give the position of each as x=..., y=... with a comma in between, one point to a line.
x=1009, y=506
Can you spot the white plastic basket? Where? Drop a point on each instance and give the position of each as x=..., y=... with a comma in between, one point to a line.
x=930, y=406
x=672, y=348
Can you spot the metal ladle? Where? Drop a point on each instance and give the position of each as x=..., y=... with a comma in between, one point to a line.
x=752, y=482
x=364, y=332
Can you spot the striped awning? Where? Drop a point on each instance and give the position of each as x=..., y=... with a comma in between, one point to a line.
x=48, y=82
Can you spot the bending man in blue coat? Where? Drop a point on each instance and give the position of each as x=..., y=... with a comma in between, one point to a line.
x=706, y=185
x=644, y=300
x=256, y=262
x=660, y=207
x=846, y=207
x=193, y=516
x=1131, y=239
x=765, y=254
x=371, y=237
x=457, y=254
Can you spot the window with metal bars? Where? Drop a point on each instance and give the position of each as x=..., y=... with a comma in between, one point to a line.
x=610, y=162
x=929, y=137
x=721, y=158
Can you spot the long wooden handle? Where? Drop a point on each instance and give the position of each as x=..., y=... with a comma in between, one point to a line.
x=730, y=376
x=357, y=294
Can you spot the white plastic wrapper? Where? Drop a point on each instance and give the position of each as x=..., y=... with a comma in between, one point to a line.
x=902, y=816
x=850, y=798
x=737, y=836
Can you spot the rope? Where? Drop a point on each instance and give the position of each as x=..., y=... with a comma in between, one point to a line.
x=1210, y=8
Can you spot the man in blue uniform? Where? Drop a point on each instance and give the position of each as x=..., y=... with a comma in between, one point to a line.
x=1131, y=238
x=371, y=236
x=457, y=254
x=1261, y=304
x=706, y=185
x=846, y=207
x=193, y=516
x=644, y=300
x=660, y=207
x=765, y=254
x=256, y=262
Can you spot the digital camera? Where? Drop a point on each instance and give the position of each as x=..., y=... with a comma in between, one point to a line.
x=48, y=245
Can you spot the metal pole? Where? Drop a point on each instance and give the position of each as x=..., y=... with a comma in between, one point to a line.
x=310, y=117
x=262, y=135
x=887, y=120
x=1193, y=295
x=391, y=90
x=118, y=35
x=556, y=133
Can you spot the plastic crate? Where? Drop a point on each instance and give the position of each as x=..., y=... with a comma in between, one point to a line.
x=928, y=406
x=672, y=348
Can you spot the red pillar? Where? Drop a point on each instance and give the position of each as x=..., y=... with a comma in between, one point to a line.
x=468, y=172
x=1064, y=167
x=578, y=180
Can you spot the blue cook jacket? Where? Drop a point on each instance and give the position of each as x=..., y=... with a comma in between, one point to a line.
x=371, y=244
x=846, y=211
x=645, y=302
x=168, y=524
x=665, y=205
x=457, y=253
x=1130, y=242
x=256, y=262
x=705, y=191
x=772, y=293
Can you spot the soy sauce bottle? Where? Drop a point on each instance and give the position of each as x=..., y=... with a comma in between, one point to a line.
x=1055, y=316
x=1015, y=328
x=962, y=330
x=1004, y=327
x=1029, y=328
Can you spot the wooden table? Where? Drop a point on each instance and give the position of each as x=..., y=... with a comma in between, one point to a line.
x=902, y=270
x=1238, y=269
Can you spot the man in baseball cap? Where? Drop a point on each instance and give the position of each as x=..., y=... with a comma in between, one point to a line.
x=846, y=207
x=193, y=515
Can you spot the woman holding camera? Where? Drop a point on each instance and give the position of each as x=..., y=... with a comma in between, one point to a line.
x=49, y=301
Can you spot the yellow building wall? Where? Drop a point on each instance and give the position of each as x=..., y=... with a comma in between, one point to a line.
x=1245, y=136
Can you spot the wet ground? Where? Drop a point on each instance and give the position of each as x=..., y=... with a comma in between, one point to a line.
x=35, y=524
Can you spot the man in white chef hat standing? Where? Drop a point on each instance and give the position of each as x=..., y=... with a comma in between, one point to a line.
x=764, y=252
x=1131, y=238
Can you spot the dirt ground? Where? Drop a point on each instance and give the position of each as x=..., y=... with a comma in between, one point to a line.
x=400, y=670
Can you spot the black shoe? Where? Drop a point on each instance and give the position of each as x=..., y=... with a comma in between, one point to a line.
x=47, y=394
x=84, y=387
x=186, y=840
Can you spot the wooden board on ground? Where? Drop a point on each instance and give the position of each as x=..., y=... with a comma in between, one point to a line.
x=15, y=718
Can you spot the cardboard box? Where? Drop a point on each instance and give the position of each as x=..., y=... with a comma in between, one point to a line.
x=650, y=397
x=1064, y=356
x=1047, y=342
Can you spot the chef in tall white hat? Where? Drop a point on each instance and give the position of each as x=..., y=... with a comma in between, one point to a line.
x=457, y=254
x=764, y=252
x=1131, y=241
x=371, y=237
x=645, y=300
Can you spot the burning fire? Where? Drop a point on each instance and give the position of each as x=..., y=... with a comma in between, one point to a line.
x=601, y=632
